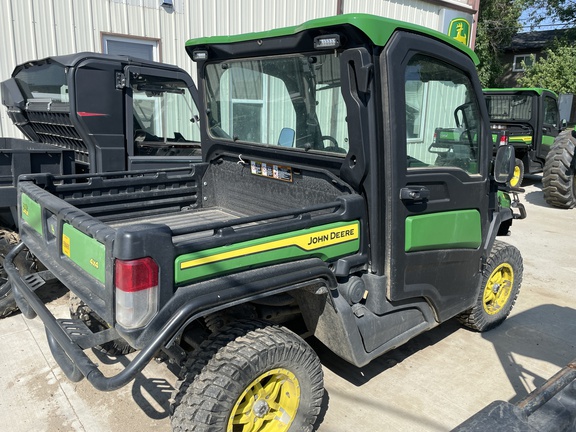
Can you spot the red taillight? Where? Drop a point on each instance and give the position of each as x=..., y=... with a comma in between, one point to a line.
x=503, y=139
x=136, y=275
x=136, y=292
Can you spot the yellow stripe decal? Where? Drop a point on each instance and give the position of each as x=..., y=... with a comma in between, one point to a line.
x=308, y=242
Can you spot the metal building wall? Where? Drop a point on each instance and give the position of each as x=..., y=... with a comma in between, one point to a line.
x=33, y=29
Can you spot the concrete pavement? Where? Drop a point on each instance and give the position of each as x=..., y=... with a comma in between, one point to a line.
x=432, y=383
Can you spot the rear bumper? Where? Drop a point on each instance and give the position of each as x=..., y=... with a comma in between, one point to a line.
x=69, y=338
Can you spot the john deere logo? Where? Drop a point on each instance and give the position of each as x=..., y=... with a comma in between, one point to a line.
x=460, y=30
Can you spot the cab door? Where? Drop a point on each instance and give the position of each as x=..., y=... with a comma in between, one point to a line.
x=439, y=147
x=550, y=122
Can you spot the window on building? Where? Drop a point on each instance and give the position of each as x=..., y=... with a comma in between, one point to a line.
x=142, y=48
x=522, y=61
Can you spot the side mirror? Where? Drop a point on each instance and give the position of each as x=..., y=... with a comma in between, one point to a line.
x=504, y=164
x=286, y=138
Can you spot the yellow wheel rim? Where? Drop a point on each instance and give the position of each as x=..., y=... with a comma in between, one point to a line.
x=516, y=177
x=498, y=289
x=269, y=403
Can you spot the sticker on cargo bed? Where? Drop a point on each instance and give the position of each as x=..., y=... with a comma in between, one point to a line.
x=325, y=242
x=31, y=213
x=84, y=251
x=278, y=172
x=66, y=245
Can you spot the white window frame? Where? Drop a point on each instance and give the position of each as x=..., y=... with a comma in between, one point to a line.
x=423, y=114
x=518, y=59
x=154, y=43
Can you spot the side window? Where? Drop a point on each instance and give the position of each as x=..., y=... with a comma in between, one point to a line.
x=442, y=116
x=165, y=118
x=550, y=111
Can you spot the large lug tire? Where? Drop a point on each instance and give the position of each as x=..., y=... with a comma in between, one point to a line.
x=250, y=376
x=558, y=180
x=24, y=262
x=518, y=177
x=501, y=280
x=79, y=310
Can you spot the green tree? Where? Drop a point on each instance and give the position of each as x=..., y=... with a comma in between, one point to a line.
x=497, y=24
x=559, y=12
x=555, y=71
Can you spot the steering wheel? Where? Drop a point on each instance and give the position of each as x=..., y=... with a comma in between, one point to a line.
x=333, y=147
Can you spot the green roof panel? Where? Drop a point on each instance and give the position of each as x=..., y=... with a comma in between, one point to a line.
x=378, y=29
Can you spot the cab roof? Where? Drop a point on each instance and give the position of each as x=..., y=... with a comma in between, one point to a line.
x=376, y=28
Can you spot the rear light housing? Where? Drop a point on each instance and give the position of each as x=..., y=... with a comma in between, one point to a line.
x=136, y=286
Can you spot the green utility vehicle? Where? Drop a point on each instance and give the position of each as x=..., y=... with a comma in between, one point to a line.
x=80, y=116
x=322, y=207
x=531, y=119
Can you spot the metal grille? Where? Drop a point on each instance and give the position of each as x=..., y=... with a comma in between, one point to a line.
x=57, y=129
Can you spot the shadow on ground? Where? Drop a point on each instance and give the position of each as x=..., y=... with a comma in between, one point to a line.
x=151, y=394
x=535, y=333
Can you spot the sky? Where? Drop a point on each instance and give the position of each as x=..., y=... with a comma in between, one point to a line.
x=547, y=24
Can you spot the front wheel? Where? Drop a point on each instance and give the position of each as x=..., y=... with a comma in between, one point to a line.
x=250, y=377
x=500, y=285
x=518, y=176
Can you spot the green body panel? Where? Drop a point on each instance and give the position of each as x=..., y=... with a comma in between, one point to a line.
x=325, y=242
x=85, y=251
x=460, y=229
x=527, y=140
x=377, y=29
x=504, y=200
x=449, y=135
x=548, y=140
x=31, y=213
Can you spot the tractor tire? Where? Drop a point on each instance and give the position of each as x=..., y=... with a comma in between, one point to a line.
x=501, y=280
x=79, y=310
x=250, y=376
x=25, y=264
x=558, y=180
x=518, y=177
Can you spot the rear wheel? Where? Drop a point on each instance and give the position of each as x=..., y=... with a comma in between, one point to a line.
x=558, y=180
x=518, y=176
x=250, y=377
x=25, y=264
x=501, y=281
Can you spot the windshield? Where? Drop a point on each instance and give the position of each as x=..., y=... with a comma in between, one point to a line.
x=509, y=107
x=165, y=117
x=291, y=101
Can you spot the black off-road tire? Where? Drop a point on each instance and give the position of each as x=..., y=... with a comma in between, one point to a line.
x=518, y=177
x=24, y=262
x=558, y=179
x=79, y=310
x=223, y=377
x=501, y=280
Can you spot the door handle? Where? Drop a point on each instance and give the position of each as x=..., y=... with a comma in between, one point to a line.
x=414, y=193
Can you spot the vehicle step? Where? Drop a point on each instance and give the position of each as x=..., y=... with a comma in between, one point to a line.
x=79, y=333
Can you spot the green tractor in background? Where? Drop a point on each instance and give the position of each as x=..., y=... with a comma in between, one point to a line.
x=531, y=119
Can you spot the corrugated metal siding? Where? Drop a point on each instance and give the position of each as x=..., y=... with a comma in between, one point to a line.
x=414, y=11
x=32, y=29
